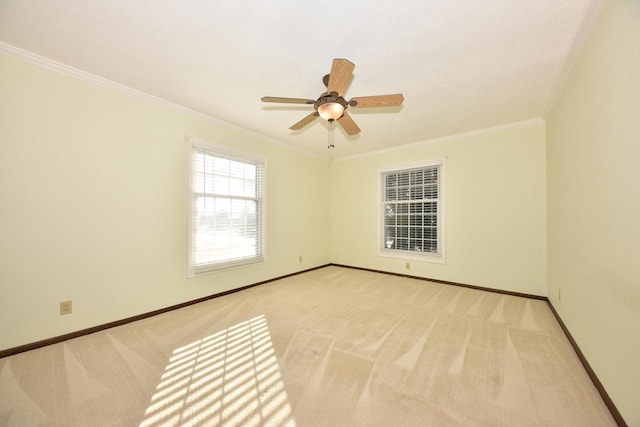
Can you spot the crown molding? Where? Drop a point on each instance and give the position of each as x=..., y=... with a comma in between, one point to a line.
x=96, y=80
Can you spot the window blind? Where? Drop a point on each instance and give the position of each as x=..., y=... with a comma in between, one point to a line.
x=411, y=210
x=227, y=210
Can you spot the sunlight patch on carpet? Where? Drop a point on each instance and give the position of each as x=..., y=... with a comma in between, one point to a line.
x=229, y=378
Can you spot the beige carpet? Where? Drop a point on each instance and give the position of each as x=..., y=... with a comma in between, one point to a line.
x=330, y=347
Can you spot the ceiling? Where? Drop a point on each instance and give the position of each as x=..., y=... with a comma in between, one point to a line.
x=462, y=65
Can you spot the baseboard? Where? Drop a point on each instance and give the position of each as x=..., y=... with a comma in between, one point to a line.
x=447, y=282
x=617, y=416
x=87, y=331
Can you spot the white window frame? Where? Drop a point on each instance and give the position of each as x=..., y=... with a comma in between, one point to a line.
x=195, y=145
x=434, y=257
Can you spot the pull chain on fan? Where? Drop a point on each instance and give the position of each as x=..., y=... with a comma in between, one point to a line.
x=330, y=145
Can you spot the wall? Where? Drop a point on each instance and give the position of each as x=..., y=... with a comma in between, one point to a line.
x=495, y=191
x=594, y=203
x=93, y=205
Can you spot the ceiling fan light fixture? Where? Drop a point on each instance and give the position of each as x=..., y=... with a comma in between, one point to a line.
x=331, y=110
x=331, y=106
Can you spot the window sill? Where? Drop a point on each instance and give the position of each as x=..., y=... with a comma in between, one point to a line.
x=223, y=266
x=413, y=255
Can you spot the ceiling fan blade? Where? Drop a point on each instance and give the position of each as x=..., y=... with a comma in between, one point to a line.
x=376, y=101
x=302, y=123
x=348, y=124
x=287, y=100
x=341, y=71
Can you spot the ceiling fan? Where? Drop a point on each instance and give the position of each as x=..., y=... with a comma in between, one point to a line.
x=332, y=106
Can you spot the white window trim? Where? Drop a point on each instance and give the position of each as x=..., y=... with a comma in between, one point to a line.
x=413, y=255
x=242, y=156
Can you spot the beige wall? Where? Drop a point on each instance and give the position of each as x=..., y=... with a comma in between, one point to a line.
x=495, y=189
x=594, y=203
x=93, y=205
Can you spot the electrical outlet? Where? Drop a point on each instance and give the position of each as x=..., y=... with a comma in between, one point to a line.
x=66, y=307
x=407, y=265
x=300, y=258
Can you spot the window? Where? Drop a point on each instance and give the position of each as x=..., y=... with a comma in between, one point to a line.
x=411, y=212
x=227, y=205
